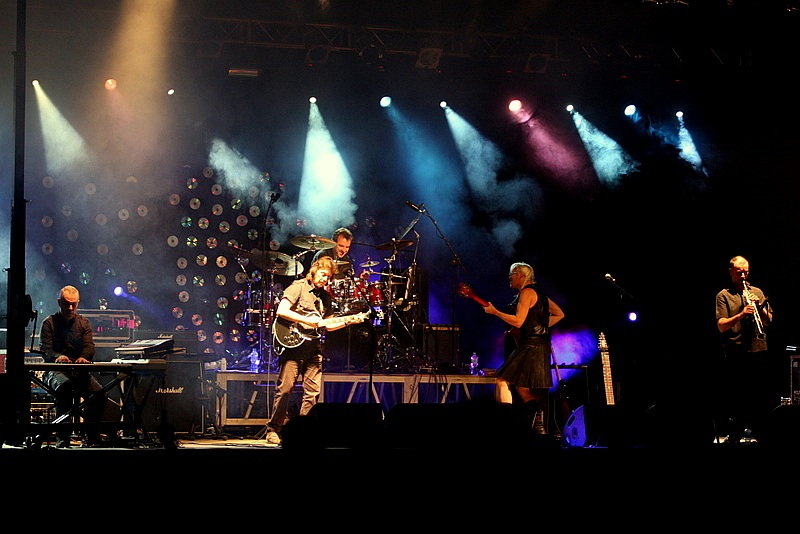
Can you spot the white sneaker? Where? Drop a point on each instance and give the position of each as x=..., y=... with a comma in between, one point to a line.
x=273, y=438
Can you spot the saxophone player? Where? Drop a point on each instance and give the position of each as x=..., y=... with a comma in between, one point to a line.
x=743, y=317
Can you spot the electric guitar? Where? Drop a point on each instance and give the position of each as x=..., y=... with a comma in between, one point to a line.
x=466, y=291
x=291, y=334
x=606, y=370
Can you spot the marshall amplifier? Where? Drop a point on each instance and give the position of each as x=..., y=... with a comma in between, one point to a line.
x=179, y=398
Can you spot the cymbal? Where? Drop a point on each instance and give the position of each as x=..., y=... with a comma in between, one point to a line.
x=339, y=263
x=367, y=264
x=276, y=262
x=312, y=242
x=394, y=244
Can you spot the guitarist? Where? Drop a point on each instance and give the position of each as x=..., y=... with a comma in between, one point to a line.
x=527, y=368
x=306, y=303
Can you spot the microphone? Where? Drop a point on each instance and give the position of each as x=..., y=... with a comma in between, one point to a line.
x=610, y=278
x=275, y=196
x=415, y=207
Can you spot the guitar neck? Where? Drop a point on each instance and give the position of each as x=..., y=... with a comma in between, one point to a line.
x=336, y=321
x=607, y=378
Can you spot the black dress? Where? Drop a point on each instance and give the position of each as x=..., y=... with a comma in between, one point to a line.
x=528, y=365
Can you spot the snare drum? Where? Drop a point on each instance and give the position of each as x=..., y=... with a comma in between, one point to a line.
x=377, y=294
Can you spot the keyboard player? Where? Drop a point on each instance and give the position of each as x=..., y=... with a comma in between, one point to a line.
x=66, y=337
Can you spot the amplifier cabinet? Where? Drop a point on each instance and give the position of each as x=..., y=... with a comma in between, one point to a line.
x=179, y=398
x=440, y=343
x=794, y=378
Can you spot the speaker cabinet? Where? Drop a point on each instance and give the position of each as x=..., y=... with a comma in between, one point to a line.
x=783, y=427
x=457, y=425
x=178, y=398
x=440, y=343
x=346, y=425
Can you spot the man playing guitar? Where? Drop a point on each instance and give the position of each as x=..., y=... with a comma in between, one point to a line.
x=306, y=304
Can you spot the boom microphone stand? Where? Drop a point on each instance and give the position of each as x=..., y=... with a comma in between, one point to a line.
x=455, y=262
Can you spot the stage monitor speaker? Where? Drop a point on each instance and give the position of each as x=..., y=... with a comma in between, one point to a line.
x=179, y=397
x=575, y=429
x=454, y=425
x=348, y=425
x=782, y=427
x=440, y=343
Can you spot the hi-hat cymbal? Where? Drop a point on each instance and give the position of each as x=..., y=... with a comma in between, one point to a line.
x=312, y=242
x=366, y=264
x=394, y=244
x=277, y=263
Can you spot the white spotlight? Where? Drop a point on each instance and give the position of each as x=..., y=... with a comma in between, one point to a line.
x=313, y=99
x=443, y=104
x=514, y=105
x=570, y=108
x=386, y=101
x=630, y=110
x=111, y=84
x=679, y=114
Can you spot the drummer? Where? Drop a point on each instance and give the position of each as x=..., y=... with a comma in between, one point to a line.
x=342, y=238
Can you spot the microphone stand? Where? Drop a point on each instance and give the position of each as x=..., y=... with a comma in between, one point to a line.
x=273, y=197
x=456, y=263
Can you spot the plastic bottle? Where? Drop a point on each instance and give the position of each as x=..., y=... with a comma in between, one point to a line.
x=255, y=363
x=473, y=364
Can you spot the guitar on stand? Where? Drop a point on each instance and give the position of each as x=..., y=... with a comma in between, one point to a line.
x=606, y=361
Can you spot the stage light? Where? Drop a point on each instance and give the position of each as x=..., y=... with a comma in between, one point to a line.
x=170, y=92
x=679, y=114
x=386, y=101
x=443, y=104
x=633, y=317
x=514, y=105
x=313, y=99
x=570, y=108
x=630, y=110
x=118, y=291
x=111, y=84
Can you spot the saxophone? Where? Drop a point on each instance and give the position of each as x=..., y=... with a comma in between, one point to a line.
x=749, y=301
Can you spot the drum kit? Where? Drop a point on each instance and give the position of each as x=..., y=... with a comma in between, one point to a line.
x=350, y=295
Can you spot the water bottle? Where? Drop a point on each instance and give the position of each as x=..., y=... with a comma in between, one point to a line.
x=255, y=363
x=473, y=364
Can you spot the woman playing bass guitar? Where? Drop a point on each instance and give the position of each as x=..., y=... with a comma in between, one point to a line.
x=527, y=368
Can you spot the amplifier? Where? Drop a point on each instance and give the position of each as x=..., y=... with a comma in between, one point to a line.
x=440, y=343
x=794, y=378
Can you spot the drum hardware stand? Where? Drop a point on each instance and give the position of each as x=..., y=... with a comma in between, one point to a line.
x=388, y=342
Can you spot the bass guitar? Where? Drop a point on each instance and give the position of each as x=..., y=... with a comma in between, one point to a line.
x=291, y=334
x=466, y=291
